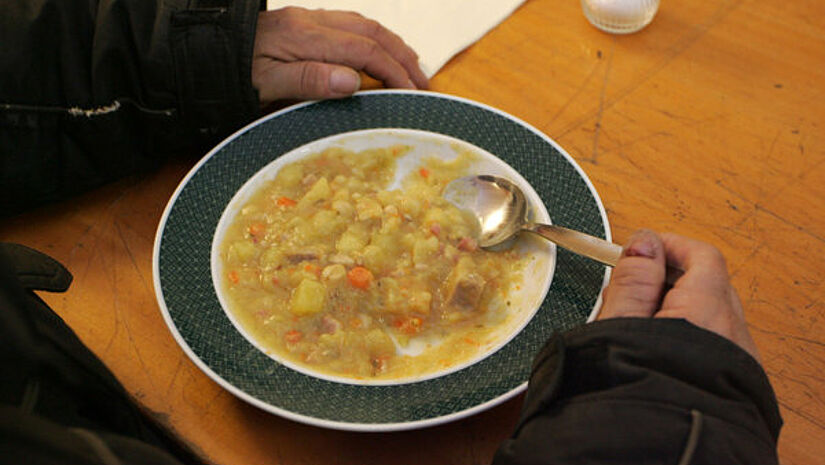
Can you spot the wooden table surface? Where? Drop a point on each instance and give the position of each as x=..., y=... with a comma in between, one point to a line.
x=708, y=123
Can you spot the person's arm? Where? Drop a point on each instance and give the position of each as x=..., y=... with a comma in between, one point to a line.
x=669, y=375
x=92, y=90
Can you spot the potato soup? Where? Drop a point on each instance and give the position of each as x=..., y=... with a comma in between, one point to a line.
x=333, y=268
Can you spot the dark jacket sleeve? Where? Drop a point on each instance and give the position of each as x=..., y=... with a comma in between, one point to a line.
x=635, y=391
x=92, y=90
x=59, y=404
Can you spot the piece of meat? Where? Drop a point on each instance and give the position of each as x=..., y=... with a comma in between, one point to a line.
x=301, y=257
x=467, y=244
x=464, y=289
x=330, y=325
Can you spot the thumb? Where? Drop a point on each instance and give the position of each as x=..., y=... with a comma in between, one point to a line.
x=635, y=288
x=305, y=80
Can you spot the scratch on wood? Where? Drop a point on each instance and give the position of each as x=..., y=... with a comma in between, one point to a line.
x=174, y=377
x=130, y=254
x=773, y=143
x=761, y=186
x=125, y=321
x=211, y=403
x=602, y=94
x=110, y=342
x=789, y=336
x=758, y=207
x=576, y=93
x=807, y=171
x=806, y=416
x=812, y=304
x=791, y=223
x=750, y=255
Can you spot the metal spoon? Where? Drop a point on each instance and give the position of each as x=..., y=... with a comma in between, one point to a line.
x=501, y=210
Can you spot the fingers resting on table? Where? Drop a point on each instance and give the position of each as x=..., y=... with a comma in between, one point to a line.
x=314, y=54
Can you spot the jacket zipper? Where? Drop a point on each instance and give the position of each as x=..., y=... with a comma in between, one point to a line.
x=87, y=112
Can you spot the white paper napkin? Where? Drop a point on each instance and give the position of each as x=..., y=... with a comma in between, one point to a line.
x=436, y=29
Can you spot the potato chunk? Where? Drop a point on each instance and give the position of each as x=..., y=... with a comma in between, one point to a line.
x=379, y=343
x=424, y=249
x=290, y=175
x=368, y=208
x=420, y=302
x=319, y=191
x=243, y=250
x=308, y=298
x=354, y=239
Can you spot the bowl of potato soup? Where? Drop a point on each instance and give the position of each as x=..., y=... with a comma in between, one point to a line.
x=309, y=265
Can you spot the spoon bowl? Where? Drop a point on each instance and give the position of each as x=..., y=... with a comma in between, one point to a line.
x=502, y=212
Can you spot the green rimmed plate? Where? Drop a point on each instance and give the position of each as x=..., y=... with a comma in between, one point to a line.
x=190, y=306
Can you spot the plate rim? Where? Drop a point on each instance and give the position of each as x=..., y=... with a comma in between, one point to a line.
x=323, y=422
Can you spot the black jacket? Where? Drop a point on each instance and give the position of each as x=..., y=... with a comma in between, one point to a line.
x=645, y=391
x=92, y=90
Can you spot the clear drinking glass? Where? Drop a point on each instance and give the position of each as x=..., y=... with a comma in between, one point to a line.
x=620, y=16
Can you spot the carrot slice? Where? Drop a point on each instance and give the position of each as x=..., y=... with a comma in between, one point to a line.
x=286, y=202
x=312, y=268
x=256, y=229
x=411, y=325
x=293, y=336
x=360, y=277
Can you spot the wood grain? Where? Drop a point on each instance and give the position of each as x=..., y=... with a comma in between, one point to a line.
x=707, y=123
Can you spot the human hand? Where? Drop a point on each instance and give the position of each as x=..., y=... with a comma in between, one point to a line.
x=314, y=54
x=702, y=295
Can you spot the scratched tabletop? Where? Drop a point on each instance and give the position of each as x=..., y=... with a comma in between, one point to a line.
x=708, y=123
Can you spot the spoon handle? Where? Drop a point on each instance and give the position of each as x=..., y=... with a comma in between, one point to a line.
x=593, y=247
x=583, y=244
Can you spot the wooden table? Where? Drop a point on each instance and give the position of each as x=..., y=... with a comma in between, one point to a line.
x=709, y=122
